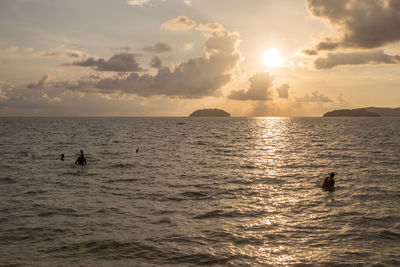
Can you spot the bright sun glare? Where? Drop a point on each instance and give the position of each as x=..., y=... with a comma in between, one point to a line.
x=272, y=58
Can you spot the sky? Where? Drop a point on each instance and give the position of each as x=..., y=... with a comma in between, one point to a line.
x=172, y=57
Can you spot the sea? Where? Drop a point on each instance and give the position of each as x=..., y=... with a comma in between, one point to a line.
x=199, y=191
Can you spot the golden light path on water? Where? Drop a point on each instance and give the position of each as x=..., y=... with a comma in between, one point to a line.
x=270, y=151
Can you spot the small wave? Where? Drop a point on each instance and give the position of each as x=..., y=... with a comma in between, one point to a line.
x=232, y=214
x=124, y=165
x=388, y=234
x=200, y=259
x=128, y=180
x=58, y=211
x=7, y=180
x=195, y=195
x=31, y=233
x=108, y=210
x=175, y=199
x=164, y=220
x=33, y=193
x=250, y=167
x=201, y=143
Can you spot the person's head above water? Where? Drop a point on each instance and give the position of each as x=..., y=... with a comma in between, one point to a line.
x=81, y=152
x=332, y=174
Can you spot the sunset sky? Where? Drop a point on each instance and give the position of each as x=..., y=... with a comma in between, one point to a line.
x=171, y=57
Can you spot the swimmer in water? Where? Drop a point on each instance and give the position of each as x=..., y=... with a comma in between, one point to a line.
x=329, y=182
x=81, y=160
x=62, y=157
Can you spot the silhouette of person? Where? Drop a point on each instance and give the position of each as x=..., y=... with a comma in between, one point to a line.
x=81, y=159
x=137, y=150
x=329, y=182
x=62, y=157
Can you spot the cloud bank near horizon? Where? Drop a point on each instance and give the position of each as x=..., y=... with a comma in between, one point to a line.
x=195, y=78
x=355, y=58
x=124, y=62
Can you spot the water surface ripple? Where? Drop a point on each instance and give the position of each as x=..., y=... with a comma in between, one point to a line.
x=201, y=191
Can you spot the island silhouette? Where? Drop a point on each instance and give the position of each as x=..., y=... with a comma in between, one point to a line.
x=210, y=113
x=364, y=112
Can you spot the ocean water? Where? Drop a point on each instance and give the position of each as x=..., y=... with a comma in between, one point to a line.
x=201, y=191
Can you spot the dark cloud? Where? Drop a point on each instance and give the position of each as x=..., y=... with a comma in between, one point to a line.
x=181, y=23
x=359, y=23
x=260, y=84
x=196, y=78
x=356, y=58
x=158, y=48
x=315, y=97
x=260, y=109
x=46, y=79
x=283, y=91
x=93, y=76
x=125, y=62
x=156, y=63
x=73, y=54
x=52, y=54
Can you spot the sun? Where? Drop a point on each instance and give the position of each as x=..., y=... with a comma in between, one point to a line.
x=272, y=58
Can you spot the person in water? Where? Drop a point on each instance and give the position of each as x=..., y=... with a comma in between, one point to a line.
x=62, y=157
x=329, y=182
x=81, y=159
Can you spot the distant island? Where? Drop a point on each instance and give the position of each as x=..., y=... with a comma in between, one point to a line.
x=365, y=112
x=210, y=113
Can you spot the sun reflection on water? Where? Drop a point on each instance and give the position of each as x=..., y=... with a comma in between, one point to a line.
x=268, y=150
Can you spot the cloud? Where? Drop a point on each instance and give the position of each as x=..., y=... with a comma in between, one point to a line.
x=355, y=58
x=359, y=23
x=158, y=48
x=181, y=23
x=188, y=46
x=210, y=27
x=260, y=109
x=76, y=54
x=52, y=54
x=137, y=2
x=315, y=97
x=260, y=84
x=156, y=63
x=196, y=78
x=69, y=53
x=125, y=48
x=46, y=79
x=5, y=90
x=125, y=62
x=327, y=45
x=283, y=91
x=143, y=2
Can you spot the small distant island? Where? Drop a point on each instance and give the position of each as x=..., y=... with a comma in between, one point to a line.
x=365, y=112
x=210, y=113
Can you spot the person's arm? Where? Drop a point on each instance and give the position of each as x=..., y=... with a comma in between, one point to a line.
x=84, y=161
x=325, y=184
